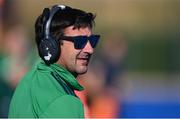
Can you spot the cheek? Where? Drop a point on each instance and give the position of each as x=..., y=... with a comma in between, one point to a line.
x=69, y=53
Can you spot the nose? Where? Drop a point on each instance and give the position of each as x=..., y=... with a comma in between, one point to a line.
x=88, y=48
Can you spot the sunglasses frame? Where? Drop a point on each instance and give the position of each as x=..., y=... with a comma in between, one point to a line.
x=75, y=38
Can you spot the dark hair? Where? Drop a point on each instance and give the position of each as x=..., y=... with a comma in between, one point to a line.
x=63, y=19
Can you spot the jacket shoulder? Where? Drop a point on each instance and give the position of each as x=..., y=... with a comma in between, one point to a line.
x=64, y=106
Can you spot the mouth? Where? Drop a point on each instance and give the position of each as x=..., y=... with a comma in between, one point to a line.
x=84, y=61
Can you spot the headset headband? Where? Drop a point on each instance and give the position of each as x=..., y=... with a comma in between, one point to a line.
x=53, y=10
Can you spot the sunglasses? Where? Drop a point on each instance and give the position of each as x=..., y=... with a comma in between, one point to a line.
x=81, y=41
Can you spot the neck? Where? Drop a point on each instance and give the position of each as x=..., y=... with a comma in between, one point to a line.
x=73, y=73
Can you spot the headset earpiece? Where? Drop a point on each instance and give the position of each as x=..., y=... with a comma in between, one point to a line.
x=49, y=50
x=49, y=47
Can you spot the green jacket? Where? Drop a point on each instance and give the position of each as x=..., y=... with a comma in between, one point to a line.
x=47, y=91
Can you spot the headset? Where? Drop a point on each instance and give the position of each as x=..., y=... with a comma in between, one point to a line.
x=49, y=47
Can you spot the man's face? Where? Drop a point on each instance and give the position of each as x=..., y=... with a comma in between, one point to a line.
x=75, y=60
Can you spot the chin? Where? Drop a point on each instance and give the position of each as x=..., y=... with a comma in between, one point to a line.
x=82, y=70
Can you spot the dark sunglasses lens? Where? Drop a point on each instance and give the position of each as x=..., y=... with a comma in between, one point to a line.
x=80, y=42
x=94, y=40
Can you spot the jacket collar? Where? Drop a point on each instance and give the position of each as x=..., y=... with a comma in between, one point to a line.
x=65, y=75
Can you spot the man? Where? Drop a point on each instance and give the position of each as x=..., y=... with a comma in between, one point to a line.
x=65, y=43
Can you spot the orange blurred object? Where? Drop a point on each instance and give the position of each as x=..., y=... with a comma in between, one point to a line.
x=104, y=106
x=81, y=95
